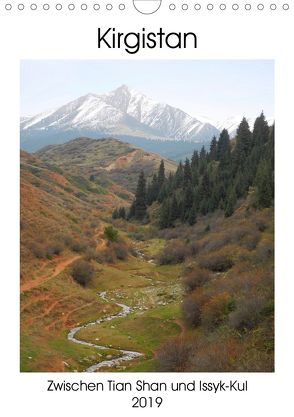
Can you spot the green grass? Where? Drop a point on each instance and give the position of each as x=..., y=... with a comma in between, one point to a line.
x=58, y=351
x=143, y=333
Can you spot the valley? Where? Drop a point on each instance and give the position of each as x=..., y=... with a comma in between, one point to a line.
x=147, y=294
x=65, y=230
x=182, y=284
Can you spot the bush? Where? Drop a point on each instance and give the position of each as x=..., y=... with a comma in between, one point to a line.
x=55, y=248
x=78, y=246
x=120, y=250
x=216, y=355
x=174, y=355
x=66, y=239
x=90, y=254
x=110, y=234
x=105, y=256
x=191, y=308
x=215, y=311
x=173, y=253
x=137, y=236
x=38, y=249
x=265, y=249
x=82, y=272
x=215, y=241
x=195, y=278
x=216, y=261
x=248, y=313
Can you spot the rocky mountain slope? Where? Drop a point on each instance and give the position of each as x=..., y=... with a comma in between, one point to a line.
x=123, y=112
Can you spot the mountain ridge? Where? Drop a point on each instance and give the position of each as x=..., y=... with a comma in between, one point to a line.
x=121, y=112
x=105, y=161
x=128, y=115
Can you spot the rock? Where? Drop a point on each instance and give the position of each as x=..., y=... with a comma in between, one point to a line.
x=29, y=357
x=109, y=357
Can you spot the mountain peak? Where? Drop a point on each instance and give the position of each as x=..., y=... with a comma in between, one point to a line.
x=122, y=87
x=123, y=112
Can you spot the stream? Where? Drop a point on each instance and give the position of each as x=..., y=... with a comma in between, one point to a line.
x=126, y=355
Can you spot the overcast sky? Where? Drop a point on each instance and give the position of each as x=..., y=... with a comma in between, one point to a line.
x=216, y=89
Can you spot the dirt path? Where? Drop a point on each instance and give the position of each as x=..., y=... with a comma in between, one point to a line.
x=60, y=266
x=100, y=240
x=66, y=316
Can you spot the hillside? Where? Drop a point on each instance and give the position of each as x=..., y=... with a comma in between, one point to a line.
x=63, y=218
x=55, y=204
x=105, y=160
x=181, y=281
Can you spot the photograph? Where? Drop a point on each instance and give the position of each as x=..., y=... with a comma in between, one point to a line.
x=147, y=215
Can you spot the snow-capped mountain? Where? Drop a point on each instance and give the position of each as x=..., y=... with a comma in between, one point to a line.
x=128, y=115
x=232, y=123
x=123, y=112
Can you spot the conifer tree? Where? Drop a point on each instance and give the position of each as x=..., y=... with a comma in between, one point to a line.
x=140, y=198
x=152, y=190
x=187, y=173
x=202, y=161
x=164, y=217
x=174, y=210
x=243, y=145
x=260, y=135
x=192, y=218
x=179, y=176
x=194, y=161
x=224, y=148
x=213, y=149
x=260, y=140
x=122, y=213
x=115, y=214
x=263, y=184
x=187, y=203
x=161, y=174
x=230, y=204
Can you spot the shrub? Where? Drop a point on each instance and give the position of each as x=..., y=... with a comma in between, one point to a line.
x=90, y=254
x=78, y=245
x=247, y=314
x=265, y=249
x=137, y=236
x=121, y=251
x=66, y=239
x=110, y=233
x=216, y=355
x=192, y=306
x=38, y=249
x=174, y=355
x=215, y=311
x=105, y=256
x=82, y=272
x=216, y=261
x=173, y=253
x=261, y=225
x=55, y=248
x=194, y=278
x=215, y=241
